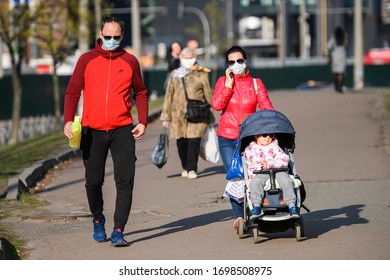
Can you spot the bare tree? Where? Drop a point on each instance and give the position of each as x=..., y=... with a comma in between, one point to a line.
x=217, y=24
x=53, y=34
x=14, y=32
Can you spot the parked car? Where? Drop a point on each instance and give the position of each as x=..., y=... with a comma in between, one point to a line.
x=377, y=56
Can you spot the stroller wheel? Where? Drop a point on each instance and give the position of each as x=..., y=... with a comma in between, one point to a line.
x=255, y=233
x=240, y=228
x=302, y=227
x=298, y=231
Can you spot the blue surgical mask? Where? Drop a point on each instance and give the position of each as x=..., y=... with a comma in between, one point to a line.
x=111, y=44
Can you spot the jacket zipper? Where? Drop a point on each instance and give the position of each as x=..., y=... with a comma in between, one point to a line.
x=108, y=86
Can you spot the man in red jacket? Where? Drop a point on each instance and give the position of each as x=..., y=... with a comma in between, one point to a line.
x=106, y=76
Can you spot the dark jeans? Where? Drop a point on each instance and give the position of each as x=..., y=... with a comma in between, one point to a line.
x=189, y=149
x=226, y=149
x=95, y=145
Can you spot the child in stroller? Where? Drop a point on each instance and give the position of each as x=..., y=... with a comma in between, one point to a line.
x=264, y=153
x=275, y=196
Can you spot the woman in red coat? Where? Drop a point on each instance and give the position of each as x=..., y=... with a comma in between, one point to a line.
x=237, y=95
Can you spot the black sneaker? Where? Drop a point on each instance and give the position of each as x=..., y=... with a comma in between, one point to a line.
x=117, y=239
x=99, y=233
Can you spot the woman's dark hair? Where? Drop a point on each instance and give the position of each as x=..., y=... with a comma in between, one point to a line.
x=113, y=19
x=235, y=49
x=339, y=36
x=169, y=51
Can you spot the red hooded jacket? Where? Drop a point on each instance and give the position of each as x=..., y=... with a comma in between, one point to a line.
x=106, y=79
x=238, y=102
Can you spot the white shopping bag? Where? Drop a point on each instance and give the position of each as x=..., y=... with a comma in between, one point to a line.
x=209, y=149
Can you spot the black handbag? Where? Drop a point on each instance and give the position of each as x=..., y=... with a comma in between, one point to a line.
x=197, y=110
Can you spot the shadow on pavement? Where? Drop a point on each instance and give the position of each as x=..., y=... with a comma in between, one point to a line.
x=209, y=171
x=184, y=224
x=320, y=222
x=67, y=184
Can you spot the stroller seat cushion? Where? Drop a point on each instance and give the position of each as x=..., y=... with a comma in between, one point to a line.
x=268, y=185
x=266, y=202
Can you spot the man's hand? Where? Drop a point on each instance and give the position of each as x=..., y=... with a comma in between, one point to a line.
x=138, y=131
x=68, y=130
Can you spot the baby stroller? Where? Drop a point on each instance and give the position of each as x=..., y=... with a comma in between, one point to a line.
x=276, y=216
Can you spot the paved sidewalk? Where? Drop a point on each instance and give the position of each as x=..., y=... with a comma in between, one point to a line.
x=178, y=218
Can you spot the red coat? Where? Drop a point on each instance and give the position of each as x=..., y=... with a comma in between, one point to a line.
x=106, y=79
x=238, y=102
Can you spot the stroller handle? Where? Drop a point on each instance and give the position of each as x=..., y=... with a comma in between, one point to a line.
x=271, y=170
x=272, y=174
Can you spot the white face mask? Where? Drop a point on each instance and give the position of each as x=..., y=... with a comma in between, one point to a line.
x=187, y=62
x=238, y=69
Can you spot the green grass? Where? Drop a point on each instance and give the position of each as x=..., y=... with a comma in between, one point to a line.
x=386, y=97
x=14, y=158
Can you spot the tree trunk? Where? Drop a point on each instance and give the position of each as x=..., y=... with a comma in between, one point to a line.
x=56, y=95
x=16, y=105
x=83, y=27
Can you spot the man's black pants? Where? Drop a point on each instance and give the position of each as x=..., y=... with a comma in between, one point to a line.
x=95, y=145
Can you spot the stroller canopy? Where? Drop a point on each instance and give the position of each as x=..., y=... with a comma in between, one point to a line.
x=267, y=121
